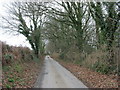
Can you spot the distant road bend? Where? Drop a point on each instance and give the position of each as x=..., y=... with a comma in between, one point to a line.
x=53, y=75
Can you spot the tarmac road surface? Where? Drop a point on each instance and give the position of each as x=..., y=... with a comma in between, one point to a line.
x=53, y=75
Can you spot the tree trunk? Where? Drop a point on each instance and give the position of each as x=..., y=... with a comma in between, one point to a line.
x=36, y=53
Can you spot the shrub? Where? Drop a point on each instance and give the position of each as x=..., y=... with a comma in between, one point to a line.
x=6, y=68
x=18, y=54
x=62, y=56
x=8, y=58
x=8, y=86
x=11, y=80
x=98, y=61
x=18, y=68
x=101, y=67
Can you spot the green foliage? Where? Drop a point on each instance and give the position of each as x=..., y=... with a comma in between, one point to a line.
x=8, y=57
x=79, y=62
x=11, y=80
x=101, y=67
x=62, y=56
x=8, y=86
x=36, y=59
x=18, y=68
x=6, y=68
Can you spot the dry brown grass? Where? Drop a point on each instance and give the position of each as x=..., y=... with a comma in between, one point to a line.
x=92, y=58
x=55, y=55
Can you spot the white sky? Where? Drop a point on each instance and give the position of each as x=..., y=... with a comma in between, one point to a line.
x=16, y=40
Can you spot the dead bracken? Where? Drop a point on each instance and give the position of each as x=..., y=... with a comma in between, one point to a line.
x=90, y=78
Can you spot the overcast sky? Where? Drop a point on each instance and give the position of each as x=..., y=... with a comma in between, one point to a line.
x=5, y=37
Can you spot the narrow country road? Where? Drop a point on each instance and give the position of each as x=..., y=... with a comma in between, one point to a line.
x=54, y=75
